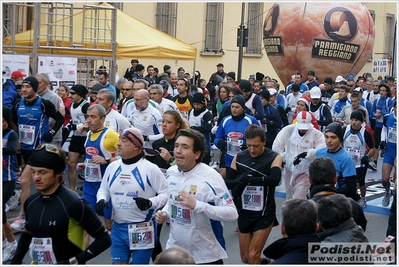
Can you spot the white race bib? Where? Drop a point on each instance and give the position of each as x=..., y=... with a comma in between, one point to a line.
x=141, y=235
x=355, y=153
x=252, y=198
x=27, y=134
x=41, y=251
x=181, y=214
x=392, y=135
x=92, y=172
x=234, y=146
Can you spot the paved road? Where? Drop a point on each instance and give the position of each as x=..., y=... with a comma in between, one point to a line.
x=376, y=214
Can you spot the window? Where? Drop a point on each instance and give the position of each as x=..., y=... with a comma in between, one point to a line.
x=389, y=33
x=166, y=18
x=255, y=17
x=214, y=27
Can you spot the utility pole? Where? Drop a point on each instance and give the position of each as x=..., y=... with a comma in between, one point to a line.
x=240, y=42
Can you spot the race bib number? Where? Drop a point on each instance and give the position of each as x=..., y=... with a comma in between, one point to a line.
x=184, y=114
x=392, y=135
x=27, y=134
x=92, y=171
x=355, y=153
x=41, y=251
x=234, y=146
x=181, y=214
x=252, y=198
x=141, y=235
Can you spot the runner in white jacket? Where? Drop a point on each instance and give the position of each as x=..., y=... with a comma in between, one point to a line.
x=198, y=202
x=297, y=144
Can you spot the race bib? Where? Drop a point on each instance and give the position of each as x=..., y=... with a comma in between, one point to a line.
x=234, y=146
x=92, y=171
x=264, y=126
x=392, y=135
x=252, y=198
x=41, y=251
x=355, y=153
x=141, y=235
x=184, y=114
x=27, y=134
x=181, y=214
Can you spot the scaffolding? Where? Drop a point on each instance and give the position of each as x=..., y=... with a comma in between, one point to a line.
x=98, y=34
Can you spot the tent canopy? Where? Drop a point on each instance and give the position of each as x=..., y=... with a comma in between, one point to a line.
x=134, y=39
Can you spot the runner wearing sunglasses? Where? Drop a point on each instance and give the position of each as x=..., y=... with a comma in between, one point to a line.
x=57, y=217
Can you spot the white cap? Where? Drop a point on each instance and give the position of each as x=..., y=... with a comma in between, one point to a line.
x=358, y=89
x=272, y=91
x=339, y=78
x=315, y=92
x=304, y=120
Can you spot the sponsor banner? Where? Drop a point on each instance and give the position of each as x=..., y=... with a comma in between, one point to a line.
x=62, y=70
x=14, y=62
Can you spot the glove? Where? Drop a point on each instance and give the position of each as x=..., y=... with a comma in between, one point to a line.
x=63, y=262
x=382, y=144
x=143, y=203
x=282, y=164
x=100, y=207
x=365, y=160
x=299, y=158
x=145, y=138
x=48, y=137
x=222, y=145
x=288, y=109
x=72, y=126
x=267, y=121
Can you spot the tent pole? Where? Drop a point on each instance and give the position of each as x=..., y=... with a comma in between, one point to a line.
x=194, y=73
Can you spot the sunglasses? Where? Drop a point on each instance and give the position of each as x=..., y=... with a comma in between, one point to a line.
x=49, y=148
x=72, y=93
x=123, y=89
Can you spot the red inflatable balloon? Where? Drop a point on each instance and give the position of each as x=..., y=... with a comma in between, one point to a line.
x=329, y=38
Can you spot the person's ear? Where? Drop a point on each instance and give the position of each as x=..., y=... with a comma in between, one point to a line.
x=317, y=227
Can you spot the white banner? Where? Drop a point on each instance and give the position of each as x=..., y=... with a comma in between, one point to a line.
x=380, y=66
x=14, y=62
x=62, y=70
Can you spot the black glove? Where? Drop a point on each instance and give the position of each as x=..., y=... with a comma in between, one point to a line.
x=48, y=137
x=365, y=160
x=288, y=109
x=282, y=164
x=299, y=158
x=143, y=203
x=145, y=138
x=222, y=145
x=72, y=126
x=267, y=121
x=383, y=144
x=100, y=207
x=64, y=262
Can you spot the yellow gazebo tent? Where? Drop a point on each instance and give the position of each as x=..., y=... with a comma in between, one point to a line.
x=134, y=39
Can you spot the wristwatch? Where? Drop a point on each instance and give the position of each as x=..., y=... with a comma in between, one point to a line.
x=108, y=160
x=73, y=261
x=171, y=160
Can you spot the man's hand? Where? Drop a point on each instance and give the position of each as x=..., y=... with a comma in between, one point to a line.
x=365, y=160
x=383, y=145
x=186, y=199
x=160, y=216
x=143, y=203
x=100, y=207
x=299, y=158
x=48, y=137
